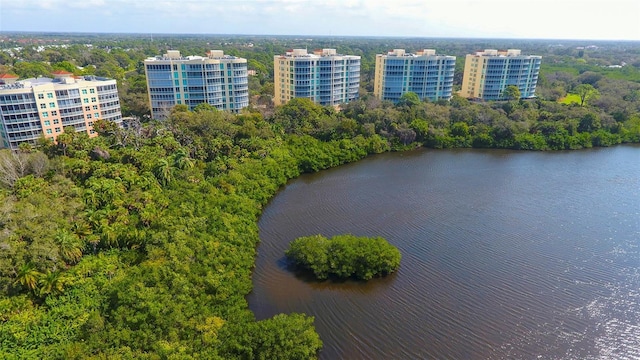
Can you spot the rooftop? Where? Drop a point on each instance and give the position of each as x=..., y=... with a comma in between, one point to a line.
x=403, y=53
x=62, y=73
x=32, y=82
x=500, y=53
x=175, y=55
x=317, y=53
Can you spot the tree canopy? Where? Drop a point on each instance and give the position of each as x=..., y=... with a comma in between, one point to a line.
x=344, y=256
x=511, y=92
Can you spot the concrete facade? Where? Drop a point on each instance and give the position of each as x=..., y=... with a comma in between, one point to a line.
x=428, y=75
x=43, y=107
x=325, y=77
x=487, y=73
x=219, y=80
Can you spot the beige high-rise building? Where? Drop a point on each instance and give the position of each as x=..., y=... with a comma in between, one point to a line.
x=487, y=73
x=325, y=77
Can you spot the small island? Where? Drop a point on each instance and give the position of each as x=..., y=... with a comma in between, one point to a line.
x=344, y=256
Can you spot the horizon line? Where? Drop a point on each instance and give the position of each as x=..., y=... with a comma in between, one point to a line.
x=308, y=35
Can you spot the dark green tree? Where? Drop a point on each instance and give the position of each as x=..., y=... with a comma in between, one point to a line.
x=511, y=92
x=409, y=99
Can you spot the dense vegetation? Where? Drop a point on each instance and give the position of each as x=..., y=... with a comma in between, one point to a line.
x=344, y=256
x=140, y=243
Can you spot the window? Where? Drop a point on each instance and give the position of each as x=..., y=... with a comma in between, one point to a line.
x=50, y=95
x=43, y=106
x=88, y=116
x=93, y=99
x=47, y=123
x=49, y=131
x=85, y=100
x=52, y=105
x=95, y=107
x=54, y=113
x=96, y=115
x=56, y=121
x=40, y=96
x=84, y=91
x=87, y=108
x=93, y=91
x=57, y=130
x=45, y=114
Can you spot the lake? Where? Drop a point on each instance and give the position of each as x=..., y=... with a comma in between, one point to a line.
x=506, y=255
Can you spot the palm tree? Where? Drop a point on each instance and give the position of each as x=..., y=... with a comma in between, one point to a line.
x=70, y=246
x=81, y=228
x=109, y=236
x=163, y=171
x=28, y=276
x=51, y=283
x=181, y=159
x=91, y=198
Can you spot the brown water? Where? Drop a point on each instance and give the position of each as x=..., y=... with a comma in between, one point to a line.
x=506, y=255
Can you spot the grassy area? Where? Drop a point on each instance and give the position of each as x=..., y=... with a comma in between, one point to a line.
x=570, y=99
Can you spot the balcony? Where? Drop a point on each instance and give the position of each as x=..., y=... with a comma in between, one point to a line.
x=23, y=128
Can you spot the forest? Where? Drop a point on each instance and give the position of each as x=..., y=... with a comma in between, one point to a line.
x=140, y=243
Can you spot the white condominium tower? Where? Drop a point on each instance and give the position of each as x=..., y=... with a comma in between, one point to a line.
x=428, y=75
x=219, y=80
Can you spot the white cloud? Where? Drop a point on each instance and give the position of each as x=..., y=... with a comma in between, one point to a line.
x=595, y=19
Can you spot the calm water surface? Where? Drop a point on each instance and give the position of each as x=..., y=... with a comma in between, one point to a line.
x=506, y=255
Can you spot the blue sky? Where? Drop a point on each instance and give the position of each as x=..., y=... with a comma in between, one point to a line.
x=549, y=19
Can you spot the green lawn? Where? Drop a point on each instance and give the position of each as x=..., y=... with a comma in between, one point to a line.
x=570, y=99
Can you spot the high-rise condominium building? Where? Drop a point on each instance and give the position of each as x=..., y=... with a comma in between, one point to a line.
x=487, y=74
x=43, y=107
x=325, y=77
x=219, y=80
x=428, y=75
